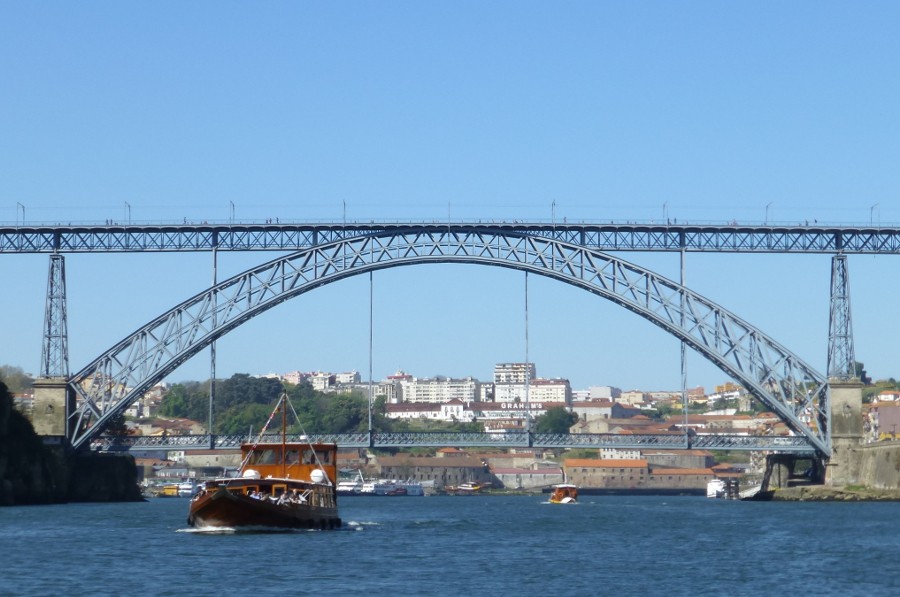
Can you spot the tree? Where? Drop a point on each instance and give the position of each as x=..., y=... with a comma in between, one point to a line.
x=186, y=401
x=116, y=426
x=556, y=420
x=860, y=372
x=17, y=381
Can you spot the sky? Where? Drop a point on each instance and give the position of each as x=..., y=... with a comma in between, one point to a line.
x=315, y=112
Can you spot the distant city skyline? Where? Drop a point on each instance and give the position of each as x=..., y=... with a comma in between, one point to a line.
x=591, y=111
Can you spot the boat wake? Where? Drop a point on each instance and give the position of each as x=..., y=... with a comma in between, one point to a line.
x=242, y=530
x=354, y=525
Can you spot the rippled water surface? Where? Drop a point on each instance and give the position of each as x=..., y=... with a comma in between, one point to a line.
x=515, y=545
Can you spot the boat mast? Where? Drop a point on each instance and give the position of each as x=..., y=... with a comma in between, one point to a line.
x=283, y=435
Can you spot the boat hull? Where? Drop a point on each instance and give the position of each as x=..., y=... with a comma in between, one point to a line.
x=228, y=507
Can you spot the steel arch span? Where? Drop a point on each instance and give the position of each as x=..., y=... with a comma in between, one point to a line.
x=782, y=381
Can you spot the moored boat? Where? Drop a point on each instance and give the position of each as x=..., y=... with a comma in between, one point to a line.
x=564, y=493
x=715, y=488
x=467, y=488
x=392, y=487
x=281, y=485
x=348, y=487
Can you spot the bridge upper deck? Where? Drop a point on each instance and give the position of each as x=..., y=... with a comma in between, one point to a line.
x=611, y=236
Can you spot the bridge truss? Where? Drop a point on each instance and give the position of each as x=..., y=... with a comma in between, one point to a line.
x=795, y=444
x=803, y=238
x=778, y=378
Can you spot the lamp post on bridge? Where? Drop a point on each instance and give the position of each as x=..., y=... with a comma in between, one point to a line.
x=19, y=205
x=767, y=211
x=128, y=212
x=871, y=211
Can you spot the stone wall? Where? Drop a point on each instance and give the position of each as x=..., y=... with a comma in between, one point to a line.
x=879, y=466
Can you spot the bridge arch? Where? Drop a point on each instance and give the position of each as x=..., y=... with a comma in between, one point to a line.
x=782, y=381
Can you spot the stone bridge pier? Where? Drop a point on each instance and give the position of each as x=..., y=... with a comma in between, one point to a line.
x=54, y=402
x=846, y=464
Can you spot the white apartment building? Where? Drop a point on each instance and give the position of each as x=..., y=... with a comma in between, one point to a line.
x=514, y=373
x=348, y=378
x=439, y=389
x=539, y=390
x=321, y=381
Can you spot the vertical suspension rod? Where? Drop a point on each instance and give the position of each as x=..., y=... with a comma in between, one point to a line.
x=371, y=347
x=684, y=396
x=527, y=368
x=212, y=349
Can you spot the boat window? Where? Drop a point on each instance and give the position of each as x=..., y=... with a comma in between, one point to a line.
x=324, y=456
x=292, y=457
x=268, y=456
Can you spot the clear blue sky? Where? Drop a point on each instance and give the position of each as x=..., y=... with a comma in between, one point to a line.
x=705, y=111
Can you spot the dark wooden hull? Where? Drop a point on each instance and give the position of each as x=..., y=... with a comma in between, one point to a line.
x=221, y=506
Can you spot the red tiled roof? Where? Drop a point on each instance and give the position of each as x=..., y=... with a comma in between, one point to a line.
x=609, y=463
x=681, y=471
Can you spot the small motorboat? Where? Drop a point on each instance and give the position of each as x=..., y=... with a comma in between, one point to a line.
x=564, y=493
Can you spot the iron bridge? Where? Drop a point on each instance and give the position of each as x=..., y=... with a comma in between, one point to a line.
x=568, y=252
x=612, y=236
x=438, y=439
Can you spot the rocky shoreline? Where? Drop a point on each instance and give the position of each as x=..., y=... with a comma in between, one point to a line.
x=34, y=473
x=821, y=493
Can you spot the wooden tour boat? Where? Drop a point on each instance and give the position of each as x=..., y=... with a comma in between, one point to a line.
x=281, y=485
x=564, y=493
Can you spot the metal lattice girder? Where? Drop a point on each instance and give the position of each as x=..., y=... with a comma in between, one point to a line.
x=604, y=237
x=794, y=391
x=841, y=357
x=791, y=444
x=55, y=351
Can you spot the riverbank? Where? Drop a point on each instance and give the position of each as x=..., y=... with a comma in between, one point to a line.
x=821, y=493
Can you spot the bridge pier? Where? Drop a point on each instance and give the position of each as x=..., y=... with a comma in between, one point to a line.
x=54, y=401
x=845, y=465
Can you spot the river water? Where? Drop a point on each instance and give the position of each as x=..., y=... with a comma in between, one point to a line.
x=463, y=545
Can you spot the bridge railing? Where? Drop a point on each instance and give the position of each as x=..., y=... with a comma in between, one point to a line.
x=440, y=439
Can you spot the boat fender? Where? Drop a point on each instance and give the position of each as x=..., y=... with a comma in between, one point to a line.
x=317, y=476
x=251, y=474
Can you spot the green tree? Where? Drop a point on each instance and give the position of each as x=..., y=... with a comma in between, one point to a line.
x=860, y=371
x=187, y=400
x=116, y=426
x=556, y=420
x=17, y=381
